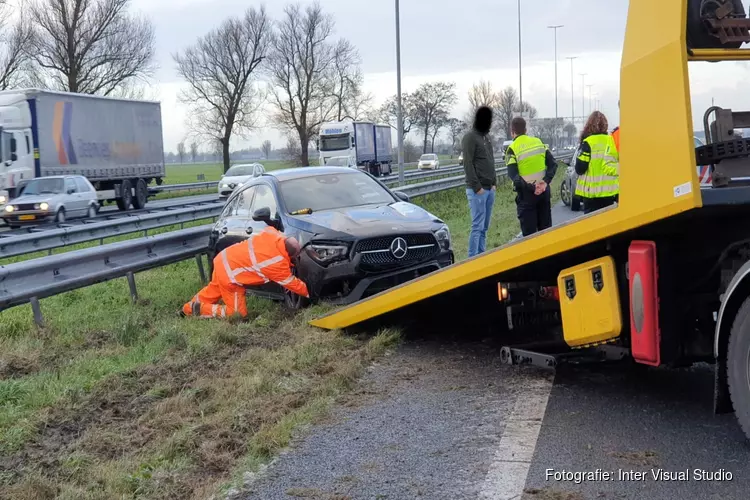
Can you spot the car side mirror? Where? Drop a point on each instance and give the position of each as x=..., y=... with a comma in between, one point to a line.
x=263, y=215
x=71, y=191
x=402, y=196
x=13, y=157
x=13, y=145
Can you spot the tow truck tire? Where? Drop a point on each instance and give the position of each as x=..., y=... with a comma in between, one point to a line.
x=738, y=366
x=698, y=35
x=141, y=194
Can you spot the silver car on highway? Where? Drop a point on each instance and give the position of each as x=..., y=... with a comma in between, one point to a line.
x=52, y=198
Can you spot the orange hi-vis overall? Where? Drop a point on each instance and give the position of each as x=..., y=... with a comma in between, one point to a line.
x=259, y=260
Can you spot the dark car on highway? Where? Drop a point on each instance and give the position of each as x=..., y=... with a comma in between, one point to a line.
x=358, y=237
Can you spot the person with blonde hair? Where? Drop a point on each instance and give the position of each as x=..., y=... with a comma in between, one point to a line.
x=597, y=165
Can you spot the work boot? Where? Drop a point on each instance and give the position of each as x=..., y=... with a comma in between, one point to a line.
x=181, y=314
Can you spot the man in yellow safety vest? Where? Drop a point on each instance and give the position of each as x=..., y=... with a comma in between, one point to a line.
x=531, y=167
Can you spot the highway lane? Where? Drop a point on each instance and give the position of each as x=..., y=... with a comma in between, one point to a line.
x=442, y=418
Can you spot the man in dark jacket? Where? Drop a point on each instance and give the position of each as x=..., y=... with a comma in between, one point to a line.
x=481, y=180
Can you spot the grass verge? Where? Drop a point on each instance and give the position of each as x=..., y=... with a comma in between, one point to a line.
x=113, y=399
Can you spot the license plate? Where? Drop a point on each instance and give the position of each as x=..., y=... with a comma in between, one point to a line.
x=26, y=217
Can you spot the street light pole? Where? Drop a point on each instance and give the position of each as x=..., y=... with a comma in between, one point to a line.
x=520, y=80
x=400, y=118
x=589, y=86
x=572, y=96
x=556, y=28
x=583, y=97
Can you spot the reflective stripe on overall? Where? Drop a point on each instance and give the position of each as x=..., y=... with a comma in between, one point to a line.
x=256, y=267
x=530, y=154
x=602, y=177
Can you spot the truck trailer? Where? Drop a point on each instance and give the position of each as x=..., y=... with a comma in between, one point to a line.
x=367, y=145
x=662, y=278
x=116, y=143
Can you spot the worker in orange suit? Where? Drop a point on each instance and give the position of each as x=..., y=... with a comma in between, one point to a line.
x=264, y=257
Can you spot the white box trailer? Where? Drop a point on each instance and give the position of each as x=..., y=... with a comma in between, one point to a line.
x=116, y=143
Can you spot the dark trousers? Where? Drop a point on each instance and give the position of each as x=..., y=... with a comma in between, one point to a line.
x=594, y=204
x=534, y=212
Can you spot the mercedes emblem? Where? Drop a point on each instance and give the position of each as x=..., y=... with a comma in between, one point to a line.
x=399, y=248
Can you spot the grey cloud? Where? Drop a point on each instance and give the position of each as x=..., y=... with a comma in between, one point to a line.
x=437, y=36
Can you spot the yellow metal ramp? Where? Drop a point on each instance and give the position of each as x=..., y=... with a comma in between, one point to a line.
x=658, y=177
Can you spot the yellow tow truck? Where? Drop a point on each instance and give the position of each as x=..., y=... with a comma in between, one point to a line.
x=664, y=276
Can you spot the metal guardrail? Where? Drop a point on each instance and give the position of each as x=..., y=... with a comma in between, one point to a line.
x=56, y=238
x=164, y=188
x=438, y=185
x=31, y=280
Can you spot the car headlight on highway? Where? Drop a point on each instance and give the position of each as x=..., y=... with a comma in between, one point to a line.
x=9, y=208
x=443, y=236
x=325, y=253
x=44, y=205
x=225, y=185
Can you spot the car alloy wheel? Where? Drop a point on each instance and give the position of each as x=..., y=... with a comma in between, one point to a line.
x=565, y=192
x=60, y=215
x=91, y=212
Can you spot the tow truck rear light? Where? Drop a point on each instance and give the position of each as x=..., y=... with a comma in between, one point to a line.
x=502, y=292
x=645, y=337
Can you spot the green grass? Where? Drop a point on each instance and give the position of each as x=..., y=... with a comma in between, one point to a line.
x=113, y=399
x=188, y=172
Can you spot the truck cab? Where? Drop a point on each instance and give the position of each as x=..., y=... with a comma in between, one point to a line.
x=16, y=160
x=363, y=143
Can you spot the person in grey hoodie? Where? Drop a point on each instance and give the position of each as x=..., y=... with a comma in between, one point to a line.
x=481, y=180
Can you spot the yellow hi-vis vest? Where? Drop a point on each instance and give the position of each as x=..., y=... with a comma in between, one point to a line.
x=530, y=155
x=602, y=179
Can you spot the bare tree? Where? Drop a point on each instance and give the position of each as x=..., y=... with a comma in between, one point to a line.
x=570, y=131
x=506, y=106
x=430, y=101
x=456, y=129
x=346, y=82
x=90, y=46
x=194, y=150
x=219, y=71
x=266, y=148
x=546, y=129
x=482, y=94
x=438, y=124
x=292, y=151
x=301, y=64
x=181, y=151
x=388, y=113
x=15, y=68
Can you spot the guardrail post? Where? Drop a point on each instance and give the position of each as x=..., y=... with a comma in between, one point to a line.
x=201, y=270
x=133, y=290
x=37, y=310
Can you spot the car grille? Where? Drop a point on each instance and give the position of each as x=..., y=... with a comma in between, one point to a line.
x=376, y=251
x=24, y=206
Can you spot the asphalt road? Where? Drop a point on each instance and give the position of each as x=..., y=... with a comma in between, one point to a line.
x=443, y=419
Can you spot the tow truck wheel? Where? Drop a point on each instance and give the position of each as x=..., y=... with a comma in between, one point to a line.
x=738, y=366
x=698, y=33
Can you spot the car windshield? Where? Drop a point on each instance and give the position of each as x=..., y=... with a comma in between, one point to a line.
x=238, y=170
x=44, y=186
x=427, y=158
x=330, y=191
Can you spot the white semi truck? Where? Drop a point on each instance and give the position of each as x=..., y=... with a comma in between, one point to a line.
x=117, y=144
x=367, y=145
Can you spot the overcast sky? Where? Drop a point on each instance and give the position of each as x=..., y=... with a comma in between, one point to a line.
x=446, y=40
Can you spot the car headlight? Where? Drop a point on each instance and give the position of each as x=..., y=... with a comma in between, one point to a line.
x=9, y=208
x=225, y=185
x=44, y=205
x=325, y=253
x=443, y=236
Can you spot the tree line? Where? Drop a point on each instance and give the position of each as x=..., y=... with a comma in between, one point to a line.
x=294, y=65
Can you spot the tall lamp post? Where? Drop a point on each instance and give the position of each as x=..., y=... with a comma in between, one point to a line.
x=590, y=110
x=520, y=79
x=400, y=118
x=572, y=96
x=555, y=28
x=583, y=97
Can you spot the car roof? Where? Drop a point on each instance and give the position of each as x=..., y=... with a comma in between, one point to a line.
x=302, y=172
